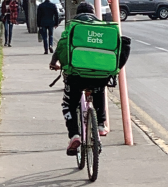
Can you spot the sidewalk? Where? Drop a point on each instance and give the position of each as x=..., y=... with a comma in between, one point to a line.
x=33, y=137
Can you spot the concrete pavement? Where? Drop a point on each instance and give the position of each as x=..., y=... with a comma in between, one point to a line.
x=33, y=137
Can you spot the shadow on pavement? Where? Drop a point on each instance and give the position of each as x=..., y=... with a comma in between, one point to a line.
x=59, y=177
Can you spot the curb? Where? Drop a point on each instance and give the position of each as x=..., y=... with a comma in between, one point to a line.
x=142, y=126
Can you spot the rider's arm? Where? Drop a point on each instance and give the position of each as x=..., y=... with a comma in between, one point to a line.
x=60, y=52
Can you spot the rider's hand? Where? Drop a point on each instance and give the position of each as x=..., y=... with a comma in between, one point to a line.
x=55, y=67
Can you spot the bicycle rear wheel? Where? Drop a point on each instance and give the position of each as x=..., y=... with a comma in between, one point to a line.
x=92, y=145
x=81, y=149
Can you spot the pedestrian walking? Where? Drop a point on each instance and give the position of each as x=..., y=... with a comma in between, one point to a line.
x=10, y=13
x=47, y=19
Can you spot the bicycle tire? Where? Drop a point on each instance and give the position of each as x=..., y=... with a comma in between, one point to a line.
x=92, y=145
x=81, y=149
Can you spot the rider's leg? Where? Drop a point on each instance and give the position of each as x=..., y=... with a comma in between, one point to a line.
x=99, y=104
x=70, y=103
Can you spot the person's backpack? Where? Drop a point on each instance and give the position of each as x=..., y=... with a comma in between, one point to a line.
x=93, y=49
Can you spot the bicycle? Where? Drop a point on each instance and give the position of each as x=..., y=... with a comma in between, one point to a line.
x=90, y=147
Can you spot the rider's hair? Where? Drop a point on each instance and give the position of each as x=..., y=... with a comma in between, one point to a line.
x=85, y=7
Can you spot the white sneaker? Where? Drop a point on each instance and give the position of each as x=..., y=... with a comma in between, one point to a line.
x=103, y=130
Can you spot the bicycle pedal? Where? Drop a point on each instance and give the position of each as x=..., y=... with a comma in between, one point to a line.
x=71, y=152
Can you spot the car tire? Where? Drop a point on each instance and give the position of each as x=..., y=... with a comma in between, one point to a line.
x=152, y=17
x=123, y=14
x=163, y=13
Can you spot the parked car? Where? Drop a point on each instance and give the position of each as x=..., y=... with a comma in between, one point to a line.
x=106, y=12
x=38, y=2
x=62, y=3
x=21, y=15
x=61, y=12
x=153, y=8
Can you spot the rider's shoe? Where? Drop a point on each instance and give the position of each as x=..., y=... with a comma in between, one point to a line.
x=102, y=129
x=73, y=145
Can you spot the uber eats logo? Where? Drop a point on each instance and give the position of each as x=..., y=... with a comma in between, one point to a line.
x=94, y=37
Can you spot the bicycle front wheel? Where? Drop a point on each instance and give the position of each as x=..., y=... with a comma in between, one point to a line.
x=92, y=145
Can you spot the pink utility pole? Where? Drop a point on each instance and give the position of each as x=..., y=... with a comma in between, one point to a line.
x=98, y=12
x=123, y=85
x=97, y=5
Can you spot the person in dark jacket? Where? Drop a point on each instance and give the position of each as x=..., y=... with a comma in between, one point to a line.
x=10, y=13
x=47, y=19
x=74, y=85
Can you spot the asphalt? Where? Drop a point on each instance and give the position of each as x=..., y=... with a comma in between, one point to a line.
x=33, y=136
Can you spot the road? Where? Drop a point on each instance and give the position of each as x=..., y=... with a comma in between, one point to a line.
x=147, y=71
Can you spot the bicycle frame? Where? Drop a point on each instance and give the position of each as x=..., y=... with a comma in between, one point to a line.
x=86, y=103
x=91, y=144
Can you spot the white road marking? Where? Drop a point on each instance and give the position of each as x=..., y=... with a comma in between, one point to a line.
x=143, y=42
x=161, y=49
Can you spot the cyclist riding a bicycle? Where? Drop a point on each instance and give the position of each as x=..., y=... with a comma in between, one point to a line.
x=74, y=84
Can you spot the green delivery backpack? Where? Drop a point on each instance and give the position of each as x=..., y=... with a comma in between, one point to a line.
x=93, y=49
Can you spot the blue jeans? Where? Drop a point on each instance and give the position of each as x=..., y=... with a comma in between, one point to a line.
x=8, y=31
x=50, y=36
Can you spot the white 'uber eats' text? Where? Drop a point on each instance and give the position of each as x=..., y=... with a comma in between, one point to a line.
x=94, y=37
